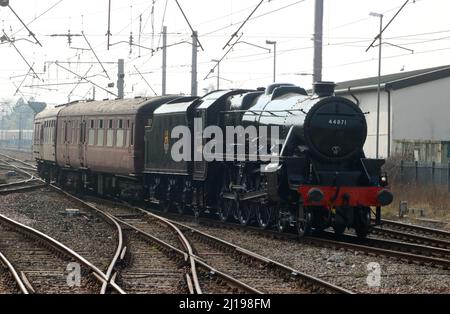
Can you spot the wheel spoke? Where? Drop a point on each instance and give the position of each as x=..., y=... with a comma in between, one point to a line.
x=264, y=215
x=246, y=213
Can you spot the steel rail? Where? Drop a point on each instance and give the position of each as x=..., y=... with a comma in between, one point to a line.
x=31, y=179
x=401, y=255
x=120, y=244
x=209, y=269
x=19, y=161
x=58, y=246
x=187, y=246
x=107, y=217
x=185, y=255
x=14, y=273
x=419, y=249
x=405, y=236
x=21, y=189
x=317, y=283
x=387, y=248
x=415, y=228
x=18, y=182
x=270, y=263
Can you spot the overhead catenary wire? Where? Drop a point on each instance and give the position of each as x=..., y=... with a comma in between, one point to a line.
x=235, y=34
x=93, y=51
x=79, y=82
x=21, y=83
x=40, y=15
x=25, y=26
x=146, y=82
x=21, y=55
x=162, y=23
x=223, y=57
x=387, y=25
x=190, y=26
x=85, y=79
x=255, y=17
x=366, y=18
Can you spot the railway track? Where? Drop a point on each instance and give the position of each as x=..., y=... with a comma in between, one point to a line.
x=415, y=229
x=162, y=235
x=442, y=242
x=39, y=263
x=249, y=269
x=24, y=181
x=402, y=251
x=412, y=244
x=138, y=277
x=10, y=280
x=107, y=278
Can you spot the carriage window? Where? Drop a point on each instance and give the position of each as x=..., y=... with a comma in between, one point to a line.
x=91, y=134
x=100, y=133
x=120, y=138
x=110, y=134
x=119, y=133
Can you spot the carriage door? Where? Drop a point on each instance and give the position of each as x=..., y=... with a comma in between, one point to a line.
x=67, y=128
x=82, y=142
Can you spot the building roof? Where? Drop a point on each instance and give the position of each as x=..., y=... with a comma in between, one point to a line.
x=396, y=80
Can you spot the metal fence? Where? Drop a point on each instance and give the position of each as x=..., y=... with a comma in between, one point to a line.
x=424, y=173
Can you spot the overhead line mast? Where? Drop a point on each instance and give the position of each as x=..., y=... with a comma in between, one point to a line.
x=318, y=41
x=108, y=32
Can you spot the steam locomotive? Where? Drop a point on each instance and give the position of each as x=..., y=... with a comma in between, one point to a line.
x=295, y=160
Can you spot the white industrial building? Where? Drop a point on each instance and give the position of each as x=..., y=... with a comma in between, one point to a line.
x=414, y=113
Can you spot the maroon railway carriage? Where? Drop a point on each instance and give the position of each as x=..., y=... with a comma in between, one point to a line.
x=94, y=143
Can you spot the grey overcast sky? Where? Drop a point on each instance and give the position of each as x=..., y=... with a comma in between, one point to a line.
x=422, y=26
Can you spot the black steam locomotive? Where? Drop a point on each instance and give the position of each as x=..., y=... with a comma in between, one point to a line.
x=294, y=160
x=314, y=174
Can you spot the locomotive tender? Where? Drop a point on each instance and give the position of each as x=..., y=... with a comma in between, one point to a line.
x=314, y=174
